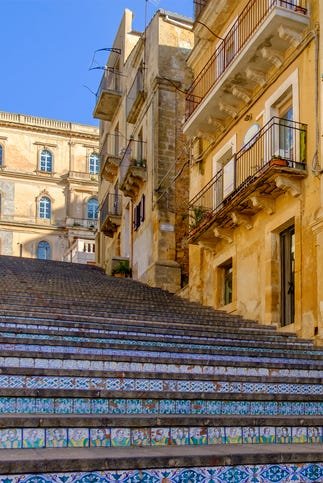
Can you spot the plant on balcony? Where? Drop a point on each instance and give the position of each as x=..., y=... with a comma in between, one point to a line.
x=140, y=162
x=277, y=160
x=122, y=269
x=197, y=215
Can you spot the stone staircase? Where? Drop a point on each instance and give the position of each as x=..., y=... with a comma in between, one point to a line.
x=105, y=380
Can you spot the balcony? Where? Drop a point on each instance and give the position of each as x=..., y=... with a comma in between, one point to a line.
x=109, y=163
x=108, y=96
x=133, y=170
x=273, y=162
x=135, y=97
x=87, y=223
x=110, y=214
x=256, y=44
x=198, y=7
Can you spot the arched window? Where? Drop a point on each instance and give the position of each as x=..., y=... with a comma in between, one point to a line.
x=44, y=208
x=43, y=250
x=94, y=163
x=1, y=155
x=46, y=161
x=92, y=209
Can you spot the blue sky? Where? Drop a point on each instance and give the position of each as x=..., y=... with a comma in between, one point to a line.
x=46, y=48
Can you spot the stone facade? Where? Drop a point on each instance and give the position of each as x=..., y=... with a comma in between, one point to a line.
x=43, y=159
x=141, y=105
x=255, y=181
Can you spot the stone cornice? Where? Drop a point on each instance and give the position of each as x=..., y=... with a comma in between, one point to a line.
x=39, y=124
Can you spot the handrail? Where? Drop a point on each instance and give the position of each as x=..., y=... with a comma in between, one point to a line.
x=280, y=142
x=244, y=27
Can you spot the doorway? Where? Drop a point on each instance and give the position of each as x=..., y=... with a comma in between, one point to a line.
x=287, y=267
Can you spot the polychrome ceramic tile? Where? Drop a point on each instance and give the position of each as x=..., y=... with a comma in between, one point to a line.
x=179, y=436
x=140, y=437
x=34, y=438
x=159, y=436
x=267, y=434
x=56, y=437
x=216, y=435
x=100, y=437
x=314, y=435
x=233, y=435
x=299, y=435
x=250, y=435
x=78, y=437
x=120, y=437
x=283, y=435
x=198, y=436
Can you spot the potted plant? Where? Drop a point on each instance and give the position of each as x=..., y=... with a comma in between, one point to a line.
x=122, y=269
x=278, y=161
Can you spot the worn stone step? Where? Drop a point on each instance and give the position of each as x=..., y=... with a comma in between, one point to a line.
x=108, y=327
x=82, y=403
x=52, y=432
x=115, y=364
x=57, y=460
x=307, y=357
x=11, y=348
x=148, y=340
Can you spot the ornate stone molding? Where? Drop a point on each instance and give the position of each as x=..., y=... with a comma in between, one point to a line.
x=241, y=220
x=273, y=56
x=241, y=94
x=256, y=75
x=228, y=110
x=293, y=37
x=293, y=186
x=263, y=203
x=223, y=234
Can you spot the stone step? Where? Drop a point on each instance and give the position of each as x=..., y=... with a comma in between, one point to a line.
x=108, y=314
x=146, y=338
x=81, y=403
x=126, y=327
x=161, y=350
x=201, y=458
x=115, y=364
x=209, y=345
x=10, y=348
x=29, y=432
x=45, y=379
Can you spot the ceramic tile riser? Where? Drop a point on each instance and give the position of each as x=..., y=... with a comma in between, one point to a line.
x=106, y=379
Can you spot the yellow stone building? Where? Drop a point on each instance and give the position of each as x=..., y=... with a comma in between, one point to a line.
x=141, y=104
x=252, y=115
x=48, y=188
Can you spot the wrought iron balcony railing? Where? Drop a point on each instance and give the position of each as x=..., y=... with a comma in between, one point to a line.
x=199, y=6
x=245, y=26
x=135, y=97
x=111, y=206
x=281, y=143
x=110, y=82
x=134, y=155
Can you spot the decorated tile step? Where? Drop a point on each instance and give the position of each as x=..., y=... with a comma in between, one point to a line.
x=62, y=349
x=81, y=437
x=151, y=367
x=49, y=405
x=262, y=473
x=162, y=385
x=217, y=345
x=167, y=334
x=129, y=336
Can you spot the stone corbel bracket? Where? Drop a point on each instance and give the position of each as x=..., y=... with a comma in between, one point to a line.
x=273, y=56
x=230, y=110
x=223, y=234
x=262, y=202
x=241, y=94
x=293, y=186
x=293, y=37
x=241, y=220
x=257, y=76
